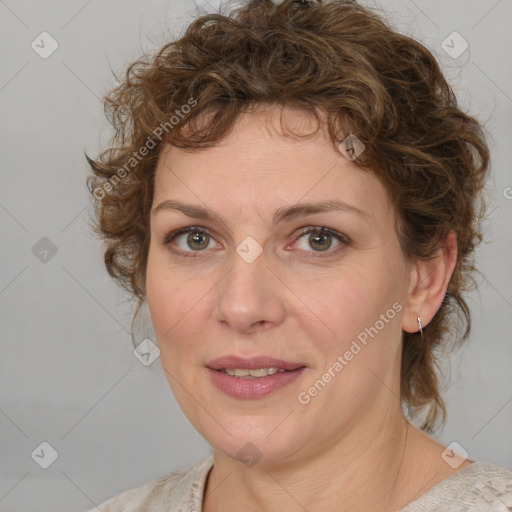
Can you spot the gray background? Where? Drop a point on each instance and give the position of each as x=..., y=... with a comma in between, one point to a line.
x=68, y=373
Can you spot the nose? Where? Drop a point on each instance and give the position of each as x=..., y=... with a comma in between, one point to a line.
x=250, y=298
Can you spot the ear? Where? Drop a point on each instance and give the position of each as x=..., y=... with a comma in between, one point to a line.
x=428, y=283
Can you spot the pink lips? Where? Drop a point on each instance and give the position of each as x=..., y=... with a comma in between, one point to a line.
x=252, y=388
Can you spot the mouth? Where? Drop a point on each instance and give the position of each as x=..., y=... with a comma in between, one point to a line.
x=254, y=363
x=244, y=373
x=252, y=378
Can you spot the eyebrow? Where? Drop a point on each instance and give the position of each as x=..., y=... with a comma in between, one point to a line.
x=285, y=213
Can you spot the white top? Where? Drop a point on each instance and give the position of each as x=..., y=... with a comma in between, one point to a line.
x=480, y=487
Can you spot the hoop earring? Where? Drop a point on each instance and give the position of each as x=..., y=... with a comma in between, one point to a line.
x=420, y=326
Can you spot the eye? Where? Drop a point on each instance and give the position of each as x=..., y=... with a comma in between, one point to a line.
x=320, y=239
x=189, y=240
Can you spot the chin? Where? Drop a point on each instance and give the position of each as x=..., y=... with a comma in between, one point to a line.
x=255, y=439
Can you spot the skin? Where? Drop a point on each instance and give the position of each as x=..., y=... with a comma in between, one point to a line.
x=351, y=442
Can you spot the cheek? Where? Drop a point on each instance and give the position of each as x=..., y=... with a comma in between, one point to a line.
x=362, y=312
x=174, y=304
x=341, y=302
x=359, y=305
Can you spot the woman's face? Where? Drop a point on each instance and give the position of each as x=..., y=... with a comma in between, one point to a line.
x=248, y=287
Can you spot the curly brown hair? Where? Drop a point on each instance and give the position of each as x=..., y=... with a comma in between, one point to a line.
x=344, y=64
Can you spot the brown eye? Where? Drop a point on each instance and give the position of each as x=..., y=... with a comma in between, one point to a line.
x=320, y=241
x=316, y=239
x=198, y=240
x=189, y=240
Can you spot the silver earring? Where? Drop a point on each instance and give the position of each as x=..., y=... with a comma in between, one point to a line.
x=421, y=328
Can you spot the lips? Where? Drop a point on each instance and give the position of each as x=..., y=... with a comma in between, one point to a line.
x=250, y=388
x=253, y=363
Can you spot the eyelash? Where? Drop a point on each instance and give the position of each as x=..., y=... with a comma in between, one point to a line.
x=343, y=239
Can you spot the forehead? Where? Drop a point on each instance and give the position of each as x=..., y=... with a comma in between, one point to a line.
x=260, y=166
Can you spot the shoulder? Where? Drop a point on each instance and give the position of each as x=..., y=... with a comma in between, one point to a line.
x=170, y=492
x=481, y=487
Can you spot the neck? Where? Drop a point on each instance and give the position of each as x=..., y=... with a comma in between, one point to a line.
x=363, y=470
